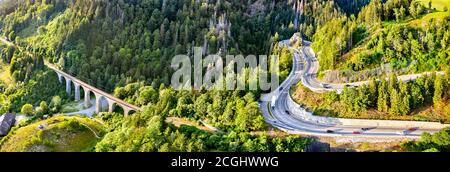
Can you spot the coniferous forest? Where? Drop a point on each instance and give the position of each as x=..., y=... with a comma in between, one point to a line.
x=125, y=48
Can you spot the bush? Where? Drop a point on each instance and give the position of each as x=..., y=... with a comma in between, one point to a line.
x=27, y=109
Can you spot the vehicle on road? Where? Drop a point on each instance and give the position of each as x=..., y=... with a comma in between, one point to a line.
x=402, y=133
x=288, y=112
x=325, y=85
x=350, y=86
x=281, y=88
x=330, y=131
x=357, y=132
x=413, y=129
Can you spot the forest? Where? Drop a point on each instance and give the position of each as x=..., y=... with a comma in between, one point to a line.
x=234, y=113
x=118, y=47
x=402, y=33
x=121, y=36
x=125, y=47
x=424, y=99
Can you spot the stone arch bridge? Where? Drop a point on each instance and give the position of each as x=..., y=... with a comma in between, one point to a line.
x=88, y=89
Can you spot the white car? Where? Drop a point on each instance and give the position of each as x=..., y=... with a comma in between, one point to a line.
x=402, y=133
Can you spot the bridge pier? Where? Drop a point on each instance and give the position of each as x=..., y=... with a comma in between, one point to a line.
x=87, y=97
x=98, y=103
x=60, y=77
x=68, y=86
x=77, y=92
x=99, y=94
x=126, y=111
x=111, y=105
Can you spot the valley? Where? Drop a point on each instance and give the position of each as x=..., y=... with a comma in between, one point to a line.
x=97, y=76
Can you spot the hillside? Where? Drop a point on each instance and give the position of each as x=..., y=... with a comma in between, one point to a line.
x=406, y=38
x=57, y=134
x=125, y=37
x=126, y=47
x=386, y=39
x=438, y=4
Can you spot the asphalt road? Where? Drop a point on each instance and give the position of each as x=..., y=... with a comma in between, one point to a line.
x=283, y=118
x=310, y=81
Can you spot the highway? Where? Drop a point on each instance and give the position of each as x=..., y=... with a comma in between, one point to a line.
x=286, y=119
x=310, y=81
x=274, y=106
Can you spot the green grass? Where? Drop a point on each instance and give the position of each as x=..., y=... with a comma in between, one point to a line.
x=438, y=4
x=60, y=134
x=426, y=18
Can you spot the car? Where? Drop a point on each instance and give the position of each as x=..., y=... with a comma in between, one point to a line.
x=281, y=88
x=330, y=131
x=357, y=132
x=349, y=86
x=402, y=133
x=413, y=129
x=288, y=112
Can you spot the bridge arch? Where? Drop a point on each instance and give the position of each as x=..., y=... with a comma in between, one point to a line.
x=101, y=98
x=127, y=111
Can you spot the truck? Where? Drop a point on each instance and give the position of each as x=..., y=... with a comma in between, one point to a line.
x=272, y=102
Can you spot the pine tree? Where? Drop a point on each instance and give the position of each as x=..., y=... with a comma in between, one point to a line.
x=395, y=103
x=383, y=99
x=439, y=88
x=405, y=96
x=373, y=93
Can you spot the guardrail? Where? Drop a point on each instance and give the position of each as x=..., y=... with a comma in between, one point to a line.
x=309, y=117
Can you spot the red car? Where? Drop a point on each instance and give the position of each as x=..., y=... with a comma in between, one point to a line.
x=356, y=132
x=413, y=129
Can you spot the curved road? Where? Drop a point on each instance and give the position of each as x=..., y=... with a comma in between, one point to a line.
x=310, y=81
x=274, y=106
x=281, y=117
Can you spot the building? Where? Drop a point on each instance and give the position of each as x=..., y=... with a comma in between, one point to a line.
x=6, y=122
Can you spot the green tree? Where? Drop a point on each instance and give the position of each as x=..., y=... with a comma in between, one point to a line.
x=43, y=106
x=27, y=109
x=417, y=96
x=383, y=98
x=413, y=10
x=405, y=107
x=55, y=104
x=396, y=103
x=373, y=93
x=439, y=88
